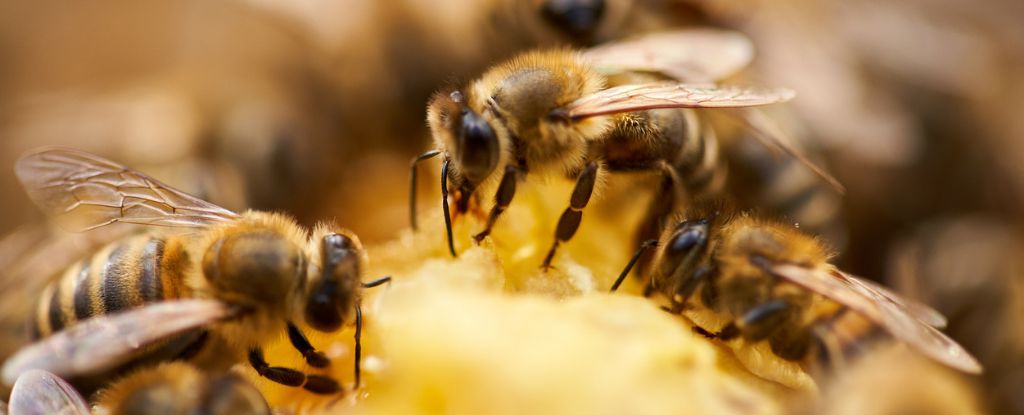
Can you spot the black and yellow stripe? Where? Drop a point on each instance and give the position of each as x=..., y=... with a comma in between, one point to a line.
x=698, y=163
x=126, y=274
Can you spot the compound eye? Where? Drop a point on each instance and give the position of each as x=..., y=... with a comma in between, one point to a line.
x=477, y=148
x=577, y=18
x=690, y=235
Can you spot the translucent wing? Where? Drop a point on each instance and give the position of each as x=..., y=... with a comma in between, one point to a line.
x=920, y=311
x=107, y=341
x=771, y=135
x=38, y=392
x=690, y=55
x=83, y=191
x=886, y=309
x=639, y=97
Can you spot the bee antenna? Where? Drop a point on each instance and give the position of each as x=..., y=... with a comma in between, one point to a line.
x=629, y=267
x=412, y=184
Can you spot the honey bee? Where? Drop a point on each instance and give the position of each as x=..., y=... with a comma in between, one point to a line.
x=550, y=112
x=773, y=283
x=181, y=388
x=174, y=388
x=211, y=294
x=892, y=381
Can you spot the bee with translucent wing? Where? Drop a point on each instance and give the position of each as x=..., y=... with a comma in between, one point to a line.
x=774, y=283
x=550, y=112
x=212, y=292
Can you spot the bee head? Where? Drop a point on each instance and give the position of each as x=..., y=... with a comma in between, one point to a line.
x=466, y=134
x=577, y=18
x=332, y=288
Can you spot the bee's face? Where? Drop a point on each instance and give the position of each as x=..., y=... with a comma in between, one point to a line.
x=332, y=290
x=467, y=135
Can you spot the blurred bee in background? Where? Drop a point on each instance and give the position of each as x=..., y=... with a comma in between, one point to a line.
x=894, y=381
x=171, y=388
x=225, y=101
x=219, y=291
x=180, y=388
x=783, y=187
x=770, y=282
x=549, y=112
x=969, y=266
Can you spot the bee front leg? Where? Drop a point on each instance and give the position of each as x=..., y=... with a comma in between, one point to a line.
x=506, y=190
x=760, y=322
x=301, y=343
x=571, y=217
x=290, y=377
x=688, y=286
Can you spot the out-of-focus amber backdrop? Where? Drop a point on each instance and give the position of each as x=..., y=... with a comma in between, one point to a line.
x=315, y=107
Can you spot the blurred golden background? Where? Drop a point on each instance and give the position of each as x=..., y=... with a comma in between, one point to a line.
x=315, y=107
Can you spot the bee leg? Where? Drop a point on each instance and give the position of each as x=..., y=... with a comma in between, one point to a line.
x=377, y=282
x=760, y=322
x=301, y=343
x=359, y=344
x=629, y=266
x=506, y=190
x=412, y=184
x=282, y=375
x=444, y=206
x=290, y=377
x=687, y=287
x=701, y=331
x=571, y=217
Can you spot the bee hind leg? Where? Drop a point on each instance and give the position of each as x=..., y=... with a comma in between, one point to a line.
x=571, y=217
x=503, y=197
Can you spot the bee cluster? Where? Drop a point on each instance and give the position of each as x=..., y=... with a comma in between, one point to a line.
x=634, y=206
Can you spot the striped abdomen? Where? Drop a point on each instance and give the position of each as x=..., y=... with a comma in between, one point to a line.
x=784, y=187
x=128, y=273
x=699, y=162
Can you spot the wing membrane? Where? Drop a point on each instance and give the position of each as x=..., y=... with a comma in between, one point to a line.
x=690, y=55
x=639, y=97
x=884, y=308
x=83, y=191
x=41, y=392
x=771, y=135
x=919, y=310
x=107, y=341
